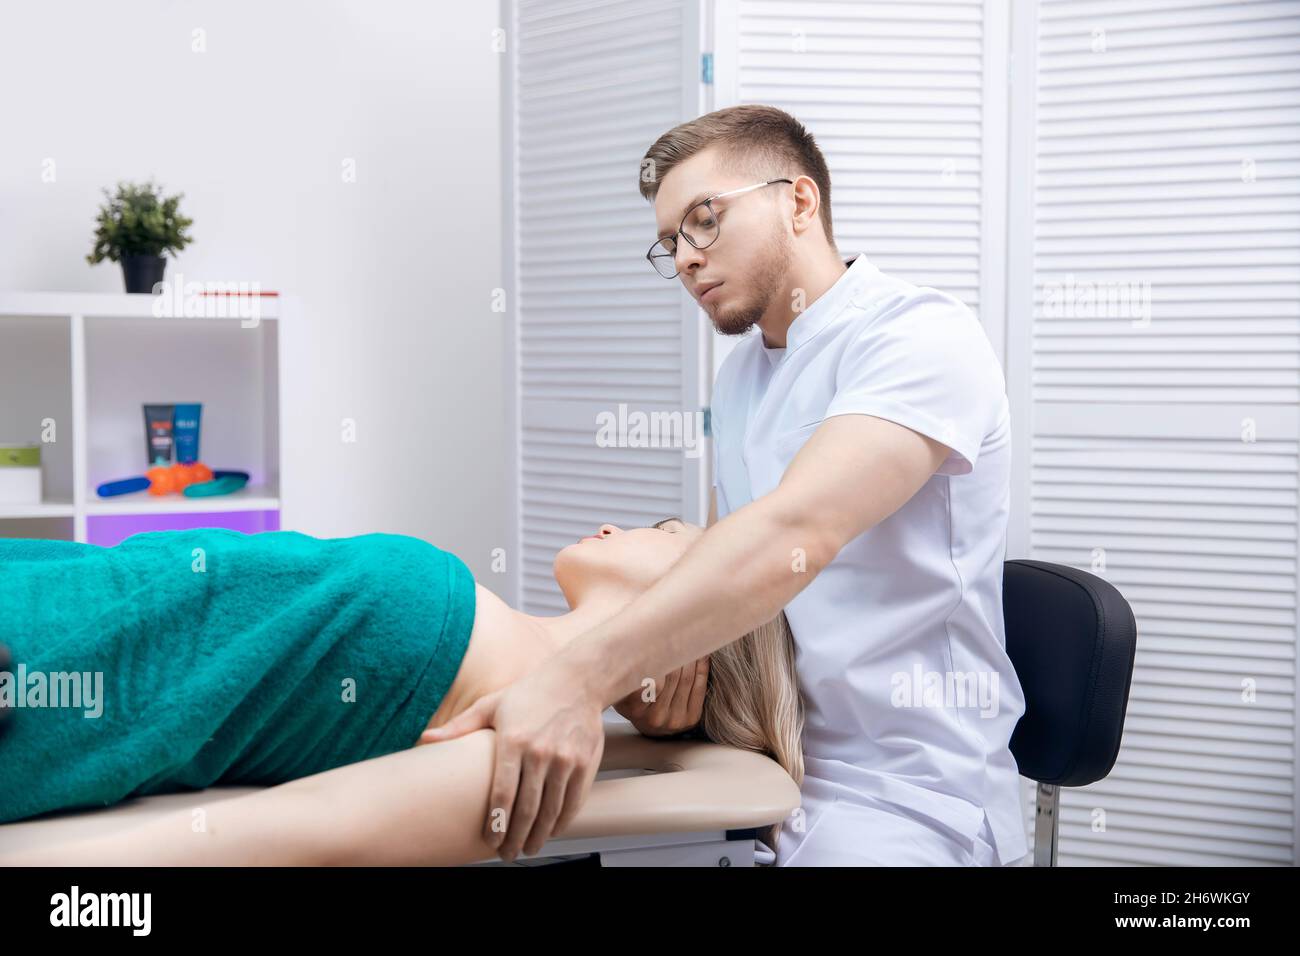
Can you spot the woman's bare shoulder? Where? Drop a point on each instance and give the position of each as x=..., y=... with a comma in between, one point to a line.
x=488, y=606
x=497, y=644
x=492, y=658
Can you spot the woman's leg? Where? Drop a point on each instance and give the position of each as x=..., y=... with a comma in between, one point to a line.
x=419, y=807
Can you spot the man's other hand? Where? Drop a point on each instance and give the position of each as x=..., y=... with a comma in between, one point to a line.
x=675, y=706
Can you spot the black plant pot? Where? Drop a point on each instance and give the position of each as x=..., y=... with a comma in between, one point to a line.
x=141, y=272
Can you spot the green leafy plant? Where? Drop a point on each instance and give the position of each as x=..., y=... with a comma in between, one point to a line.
x=139, y=221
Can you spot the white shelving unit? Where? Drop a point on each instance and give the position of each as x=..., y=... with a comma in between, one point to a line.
x=89, y=362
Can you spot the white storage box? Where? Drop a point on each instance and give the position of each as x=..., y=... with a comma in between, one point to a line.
x=20, y=474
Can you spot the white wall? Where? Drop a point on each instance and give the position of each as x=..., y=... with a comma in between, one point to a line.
x=395, y=270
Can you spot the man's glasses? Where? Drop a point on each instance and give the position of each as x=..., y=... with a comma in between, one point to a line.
x=699, y=226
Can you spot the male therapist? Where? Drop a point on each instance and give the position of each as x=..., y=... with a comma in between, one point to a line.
x=861, y=483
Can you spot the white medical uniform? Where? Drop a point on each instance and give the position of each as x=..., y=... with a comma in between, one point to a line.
x=900, y=650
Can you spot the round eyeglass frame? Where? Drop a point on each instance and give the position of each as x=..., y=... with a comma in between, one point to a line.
x=651, y=257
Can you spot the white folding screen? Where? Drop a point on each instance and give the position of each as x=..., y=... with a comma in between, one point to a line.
x=1155, y=301
x=589, y=85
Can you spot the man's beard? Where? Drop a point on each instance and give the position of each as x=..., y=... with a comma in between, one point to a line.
x=770, y=281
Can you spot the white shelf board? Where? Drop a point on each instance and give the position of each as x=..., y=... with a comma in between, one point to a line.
x=110, y=305
x=42, y=509
x=249, y=498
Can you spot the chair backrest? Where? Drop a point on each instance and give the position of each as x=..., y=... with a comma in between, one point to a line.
x=1071, y=637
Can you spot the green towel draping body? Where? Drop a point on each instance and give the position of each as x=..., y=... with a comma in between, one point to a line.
x=221, y=658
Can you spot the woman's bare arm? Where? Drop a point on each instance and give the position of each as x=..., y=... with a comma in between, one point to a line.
x=428, y=806
x=423, y=806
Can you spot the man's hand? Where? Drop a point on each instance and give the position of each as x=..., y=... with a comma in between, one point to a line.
x=676, y=705
x=549, y=741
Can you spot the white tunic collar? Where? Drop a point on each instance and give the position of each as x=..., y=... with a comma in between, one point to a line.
x=828, y=305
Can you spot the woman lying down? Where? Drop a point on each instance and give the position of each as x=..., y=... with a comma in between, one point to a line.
x=186, y=659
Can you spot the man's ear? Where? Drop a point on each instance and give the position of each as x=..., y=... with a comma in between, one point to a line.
x=807, y=203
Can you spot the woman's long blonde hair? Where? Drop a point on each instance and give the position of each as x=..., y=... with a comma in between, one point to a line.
x=753, y=702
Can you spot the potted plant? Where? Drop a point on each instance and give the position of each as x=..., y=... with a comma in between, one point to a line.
x=135, y=226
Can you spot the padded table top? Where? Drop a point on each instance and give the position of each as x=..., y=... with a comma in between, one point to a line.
x=644, y=786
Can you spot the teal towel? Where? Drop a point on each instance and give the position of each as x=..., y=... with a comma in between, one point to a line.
x=225, y=658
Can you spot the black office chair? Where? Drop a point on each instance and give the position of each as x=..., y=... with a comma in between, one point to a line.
x=1071, y=637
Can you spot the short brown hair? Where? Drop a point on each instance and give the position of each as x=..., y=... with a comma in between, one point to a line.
x=764, y=140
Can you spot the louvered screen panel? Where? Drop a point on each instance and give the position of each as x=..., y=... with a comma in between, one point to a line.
x=1200, y=537
x=1165, y=441
x=568, y=486
x=892, y=92
x=595, y=82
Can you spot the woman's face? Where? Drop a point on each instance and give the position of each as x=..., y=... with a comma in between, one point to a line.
x=630, y=559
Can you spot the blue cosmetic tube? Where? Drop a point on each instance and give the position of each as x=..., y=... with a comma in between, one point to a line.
x=185, y=429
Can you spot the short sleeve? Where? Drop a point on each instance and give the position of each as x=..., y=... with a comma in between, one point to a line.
x=929, y=366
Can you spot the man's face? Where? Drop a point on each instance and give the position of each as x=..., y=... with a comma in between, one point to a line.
x=742, y=273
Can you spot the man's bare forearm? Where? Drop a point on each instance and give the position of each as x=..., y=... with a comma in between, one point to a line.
x=740, y=574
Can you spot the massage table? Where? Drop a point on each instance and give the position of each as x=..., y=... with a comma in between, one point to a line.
x=678, y=803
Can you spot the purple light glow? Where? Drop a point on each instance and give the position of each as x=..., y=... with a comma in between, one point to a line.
x=108, y=530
